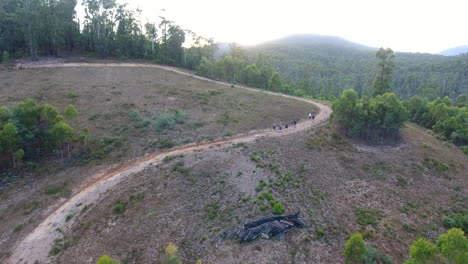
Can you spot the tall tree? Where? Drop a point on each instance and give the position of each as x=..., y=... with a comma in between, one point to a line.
x=386, y=66
x=152, y=34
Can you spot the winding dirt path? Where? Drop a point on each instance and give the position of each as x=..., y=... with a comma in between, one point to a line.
x=34, y=248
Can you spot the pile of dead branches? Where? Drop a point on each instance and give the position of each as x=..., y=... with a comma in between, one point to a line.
x=266, y=227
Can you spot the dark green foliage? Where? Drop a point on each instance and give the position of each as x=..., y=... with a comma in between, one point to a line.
x=28, y=131
x=165, y=143
x=260, y=186
x=459, y=220
x=451, y=247
x=374, y=256
x=277, y=208
x=434, y=164
x=323, y=66
x=355, y=249
x=59, y=245
x=169, y=120
x=368, y=216
x=386, y=66
x=447, y=121
x=119, y=206
x=134, y=115
x=371, y=119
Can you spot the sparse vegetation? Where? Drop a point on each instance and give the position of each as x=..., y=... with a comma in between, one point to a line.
x=119, y=206
x=451, y=247
x=169, y=120
x=171, y=254
x=368, y=216
x=106, y=260
x=458, y=220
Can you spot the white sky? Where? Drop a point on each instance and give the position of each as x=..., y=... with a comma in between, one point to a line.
x=403, y=25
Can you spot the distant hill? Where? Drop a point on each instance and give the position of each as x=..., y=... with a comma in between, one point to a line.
x=316, y=40
x=455, y=51
x=328, y=65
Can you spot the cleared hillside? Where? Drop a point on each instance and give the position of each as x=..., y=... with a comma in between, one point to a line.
x=106, y=97
x=391, y=194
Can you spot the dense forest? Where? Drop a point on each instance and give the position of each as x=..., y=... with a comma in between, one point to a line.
x=51, y=28
x=329, y=65
x=317, y=66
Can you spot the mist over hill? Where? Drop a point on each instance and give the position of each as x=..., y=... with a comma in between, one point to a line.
x=455, y=51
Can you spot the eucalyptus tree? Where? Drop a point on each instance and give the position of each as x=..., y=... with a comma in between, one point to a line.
x=383, y=80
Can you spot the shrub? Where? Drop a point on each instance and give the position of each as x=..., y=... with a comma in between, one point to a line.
x=451, y=247
x=355, y=249
x=143, y=123
x=255, y=158
x=375, y=256
x=71, y=95
x=106, y=260
x=134, y=115
x=119, y=206
x=171, y=255
x=165, y=143
x=260, y=186
x=179, y=116
x=164, y=121
x=454, y=246
x=459, y=220
x=278, y=208
x=368, y=216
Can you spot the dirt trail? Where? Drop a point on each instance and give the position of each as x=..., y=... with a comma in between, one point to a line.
x=34, y=247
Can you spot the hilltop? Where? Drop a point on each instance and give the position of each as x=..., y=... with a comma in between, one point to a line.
x=331, y=64
x=454, y=51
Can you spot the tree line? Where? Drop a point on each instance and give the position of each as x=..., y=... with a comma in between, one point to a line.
x=448, y=120
x=30, y=131
x=51, y=28
x=451, y=247
x=381, y=116
x=329, y=66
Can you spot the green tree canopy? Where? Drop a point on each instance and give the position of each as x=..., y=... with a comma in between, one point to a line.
x=71, y=113
x=386, y=66
x=355, y=249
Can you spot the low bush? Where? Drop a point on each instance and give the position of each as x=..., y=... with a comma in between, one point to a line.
x=277, y=208
x=119, y=206
x=106, y=260
x=368, y=216
x=459, y=220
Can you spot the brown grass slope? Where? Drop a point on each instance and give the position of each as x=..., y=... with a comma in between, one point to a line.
x=190, y=199
x=105, y=96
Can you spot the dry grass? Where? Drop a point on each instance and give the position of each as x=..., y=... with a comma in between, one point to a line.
x=106, y=98
x=340, y=188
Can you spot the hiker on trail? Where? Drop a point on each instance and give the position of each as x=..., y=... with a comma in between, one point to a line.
x=274, y=126
x=310, y=115
x=295, y=122
x=280, y=128
x=313, y=117
x=286, y=125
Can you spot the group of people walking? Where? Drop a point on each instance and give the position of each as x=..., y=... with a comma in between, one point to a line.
x=290, y=124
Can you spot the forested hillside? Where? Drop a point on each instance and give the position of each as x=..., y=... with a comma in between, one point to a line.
x=319, y=66
x=32, y=28
x=454, y=51
x=329, y=65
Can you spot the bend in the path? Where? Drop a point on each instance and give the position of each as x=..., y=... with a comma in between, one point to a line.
x=35, y=247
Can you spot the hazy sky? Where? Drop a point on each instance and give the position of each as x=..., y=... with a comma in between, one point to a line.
x=403, y=25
